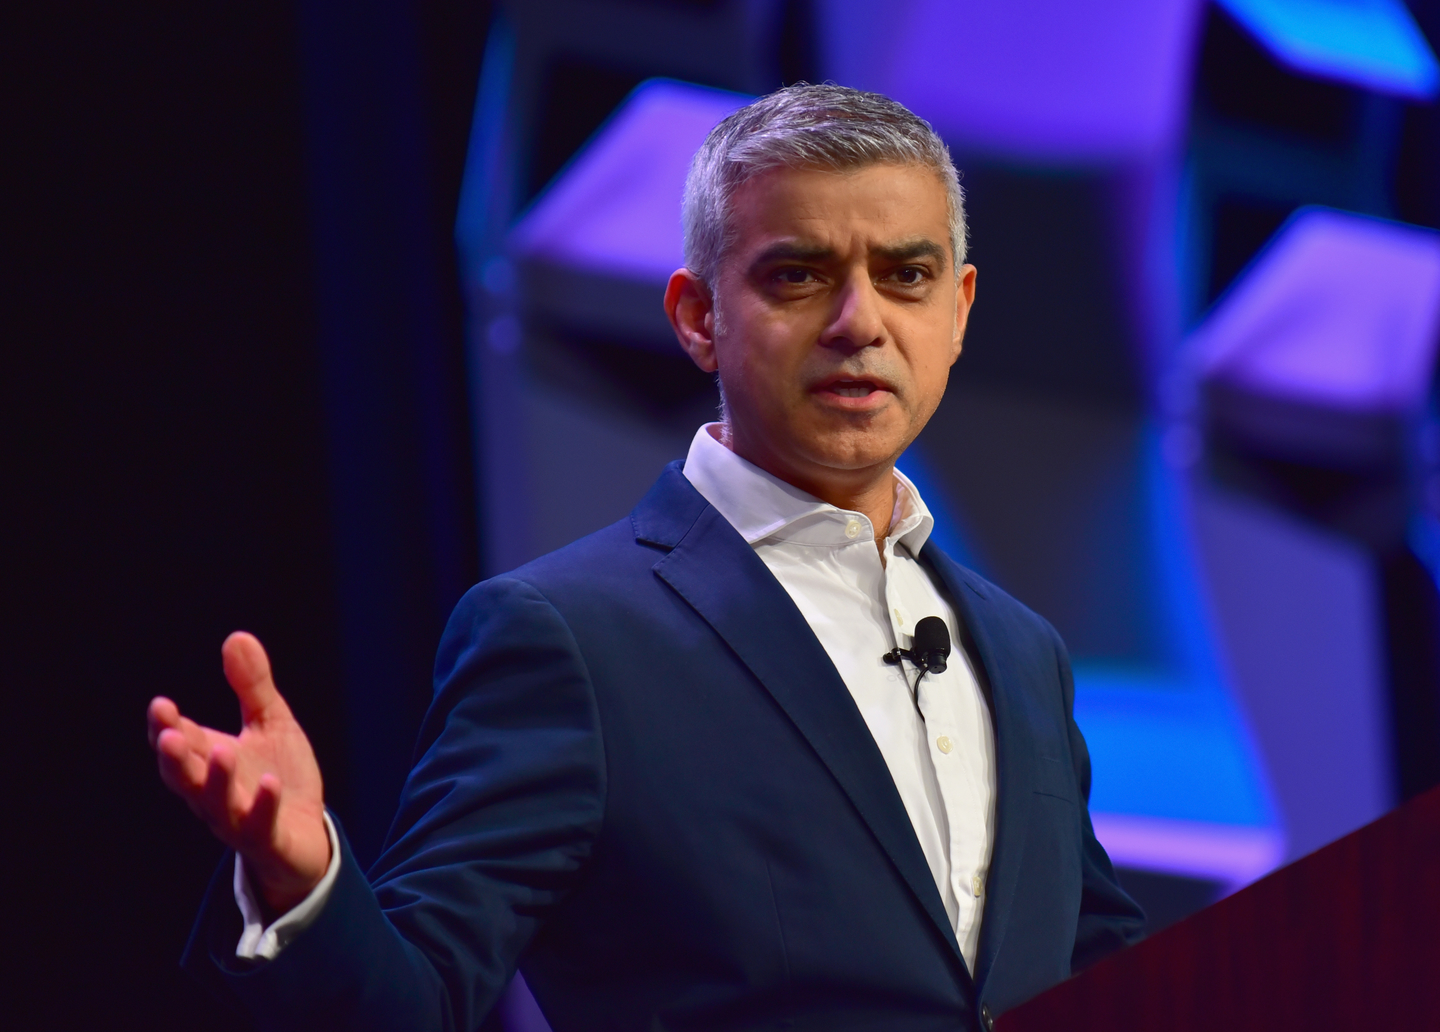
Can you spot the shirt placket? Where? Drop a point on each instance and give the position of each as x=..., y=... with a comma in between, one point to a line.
x=935, y=703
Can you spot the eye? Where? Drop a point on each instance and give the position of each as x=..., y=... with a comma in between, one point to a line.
x=794, y=275
x=911, y=275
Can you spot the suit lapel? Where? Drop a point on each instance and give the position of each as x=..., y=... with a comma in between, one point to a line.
x=1014, y=751
x=713, y=569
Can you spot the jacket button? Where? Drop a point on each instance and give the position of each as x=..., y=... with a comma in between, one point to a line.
x=986, y=1018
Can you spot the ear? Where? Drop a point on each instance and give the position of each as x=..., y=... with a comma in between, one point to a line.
x=964, y=298
x=691, y=311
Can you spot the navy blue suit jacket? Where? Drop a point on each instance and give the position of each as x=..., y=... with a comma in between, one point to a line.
x=643, y=780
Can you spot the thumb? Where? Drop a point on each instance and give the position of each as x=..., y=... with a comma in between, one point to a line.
x=247, y=668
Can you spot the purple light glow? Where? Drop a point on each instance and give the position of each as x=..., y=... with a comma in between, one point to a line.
x=1041, y=79
x=616, y=208
x=1233, y=855
x=1339, y=310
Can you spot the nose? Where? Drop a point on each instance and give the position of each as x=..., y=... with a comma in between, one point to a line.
x=857, y=320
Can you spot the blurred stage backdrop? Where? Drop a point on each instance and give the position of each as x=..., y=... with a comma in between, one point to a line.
x=1194, y=424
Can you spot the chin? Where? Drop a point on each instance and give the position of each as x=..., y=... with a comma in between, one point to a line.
x=857, y=451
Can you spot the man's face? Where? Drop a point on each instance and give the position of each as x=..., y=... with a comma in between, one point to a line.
x=836, y=317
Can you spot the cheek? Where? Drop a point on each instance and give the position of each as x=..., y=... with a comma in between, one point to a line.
x=756, y=375
x=932, y=374
x=933, y=370
x=765, y=349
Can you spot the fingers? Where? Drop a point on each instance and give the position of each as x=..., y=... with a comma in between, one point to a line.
x=161, y=714
x=164, y=715
x=219, y=798
x=182, y=767
x=223, y=779
x=207, y=779
x=247, y=668
x=219, y=790
x=233, y=783
x=180, y=746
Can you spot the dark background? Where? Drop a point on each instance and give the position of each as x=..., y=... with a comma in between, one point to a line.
x=233, y=371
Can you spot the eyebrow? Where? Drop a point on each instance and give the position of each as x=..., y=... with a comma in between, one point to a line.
x=906, y=251
x=913, y=249
x=788, y=252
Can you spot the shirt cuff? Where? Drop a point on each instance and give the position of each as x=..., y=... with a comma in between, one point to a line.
x=260, y=943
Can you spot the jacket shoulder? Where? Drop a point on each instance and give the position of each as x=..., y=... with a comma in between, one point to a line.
x=606, y=548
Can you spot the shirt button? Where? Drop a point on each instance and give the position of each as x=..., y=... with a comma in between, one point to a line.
x=976, y=885
x=943, y=743
x=852, y=529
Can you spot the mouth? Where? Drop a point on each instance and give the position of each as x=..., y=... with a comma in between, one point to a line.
x=854, y=391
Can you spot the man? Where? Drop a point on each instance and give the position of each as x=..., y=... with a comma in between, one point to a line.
x=667, y=769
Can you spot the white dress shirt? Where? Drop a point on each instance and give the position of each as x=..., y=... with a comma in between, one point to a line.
x=937, y=742
x=936, y=739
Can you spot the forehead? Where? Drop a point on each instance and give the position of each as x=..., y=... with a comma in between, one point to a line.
x=871, y=206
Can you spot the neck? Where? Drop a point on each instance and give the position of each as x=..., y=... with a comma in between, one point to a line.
x=869, y=491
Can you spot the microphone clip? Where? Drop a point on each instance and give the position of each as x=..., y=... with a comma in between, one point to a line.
x=921, y=660
x=931, y=651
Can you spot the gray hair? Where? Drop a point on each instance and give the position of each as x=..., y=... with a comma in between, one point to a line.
x=805, y=126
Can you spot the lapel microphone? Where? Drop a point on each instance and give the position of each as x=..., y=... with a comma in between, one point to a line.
x=929, y=647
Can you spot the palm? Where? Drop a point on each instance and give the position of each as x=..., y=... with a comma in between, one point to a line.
x=259, y=791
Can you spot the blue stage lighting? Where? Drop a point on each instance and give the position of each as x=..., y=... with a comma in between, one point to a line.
x=1374, y=44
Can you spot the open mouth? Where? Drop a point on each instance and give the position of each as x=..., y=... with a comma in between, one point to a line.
x=851, y=388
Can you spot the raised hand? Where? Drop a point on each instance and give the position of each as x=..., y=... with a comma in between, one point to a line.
x=260, y=791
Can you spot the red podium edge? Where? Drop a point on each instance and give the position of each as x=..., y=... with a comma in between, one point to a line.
x=1347, y=937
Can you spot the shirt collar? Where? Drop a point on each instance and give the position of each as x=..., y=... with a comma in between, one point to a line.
x=759, y=505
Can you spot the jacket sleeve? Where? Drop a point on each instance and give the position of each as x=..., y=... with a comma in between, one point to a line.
x=1109, y=919
x=495, y=822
